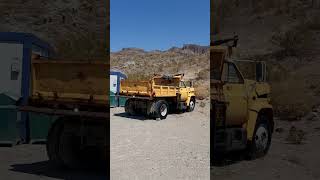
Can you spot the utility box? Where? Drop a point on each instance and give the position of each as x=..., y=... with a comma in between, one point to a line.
x=115, y=99
x=16, y=51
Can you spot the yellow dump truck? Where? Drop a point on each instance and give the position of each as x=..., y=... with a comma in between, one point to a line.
x=241, y=113
x=158, y=96
x=75, y=93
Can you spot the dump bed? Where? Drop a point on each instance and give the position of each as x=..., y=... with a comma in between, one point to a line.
x=69, y=84
x=158, y=86
x=139, y=88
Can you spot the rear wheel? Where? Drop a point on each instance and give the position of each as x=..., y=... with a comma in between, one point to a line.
x=66, y=148
x=162, y=109
x=69, y=150
x=53, y=141
x=129, y=107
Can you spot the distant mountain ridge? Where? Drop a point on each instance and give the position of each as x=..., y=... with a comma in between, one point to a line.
x=187, y=49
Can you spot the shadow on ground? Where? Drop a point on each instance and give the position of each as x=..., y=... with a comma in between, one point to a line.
x=229, y=159
x=137, y=117
x=141, y=117
x=44, y=169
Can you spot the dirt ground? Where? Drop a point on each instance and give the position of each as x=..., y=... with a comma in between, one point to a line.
x=31, y=162
x=174, y=148
x=286, y=160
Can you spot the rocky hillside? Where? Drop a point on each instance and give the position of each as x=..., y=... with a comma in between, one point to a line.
x=192, y=60
x=75, y=28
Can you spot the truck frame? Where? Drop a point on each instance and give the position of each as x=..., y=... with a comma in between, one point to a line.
x=158, y=96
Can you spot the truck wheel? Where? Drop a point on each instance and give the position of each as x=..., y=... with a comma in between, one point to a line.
x=162, y=109
x=69, y=151
x=129, y=108
x=52, y=144
x=192, y=105
x=261, y=141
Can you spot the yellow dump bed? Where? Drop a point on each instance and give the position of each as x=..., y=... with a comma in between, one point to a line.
x=69, y=81
x=158, y=86
x=140, y=88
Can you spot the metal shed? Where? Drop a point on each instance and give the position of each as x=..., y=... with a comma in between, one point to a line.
x=115, y=78
x=16, y=50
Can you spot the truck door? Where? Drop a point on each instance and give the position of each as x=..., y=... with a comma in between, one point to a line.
x=235, y=95
x=183, y=90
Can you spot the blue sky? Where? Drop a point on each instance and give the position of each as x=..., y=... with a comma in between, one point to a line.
x=158, y=24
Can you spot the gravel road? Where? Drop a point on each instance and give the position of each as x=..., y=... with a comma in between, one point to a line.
x=175, y=148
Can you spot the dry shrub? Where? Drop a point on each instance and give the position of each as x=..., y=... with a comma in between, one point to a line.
x=204, y=74
x=138, y=76
x=295, y=136
x=291, y=99
x=83, y=46
x=296, y=94
x=202, y=104
x=202, y=90
x=293, y=41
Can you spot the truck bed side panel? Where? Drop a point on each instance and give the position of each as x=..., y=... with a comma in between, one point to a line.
x=141, y=88
x=70, y=80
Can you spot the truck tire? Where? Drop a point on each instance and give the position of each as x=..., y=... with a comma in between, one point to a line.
x=161, y=109
x=261, y=142
x=71, y=152
x=52, y=144
x=129, y=108
x=192, y=105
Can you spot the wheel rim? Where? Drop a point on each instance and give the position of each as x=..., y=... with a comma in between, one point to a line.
x=191, y=104
x=163, y=110
x=261, y=138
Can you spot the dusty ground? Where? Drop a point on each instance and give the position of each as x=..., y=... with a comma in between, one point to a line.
x=174, y=148
x=30, y=162
x=285, y=160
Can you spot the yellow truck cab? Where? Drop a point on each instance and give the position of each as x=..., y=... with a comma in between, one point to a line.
x=241, y=113
x=158, y=96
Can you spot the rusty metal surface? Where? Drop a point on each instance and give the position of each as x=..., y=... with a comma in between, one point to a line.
x=70, y=79
x=136, y=97
x=63, y=112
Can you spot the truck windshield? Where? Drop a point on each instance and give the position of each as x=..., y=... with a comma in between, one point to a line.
x=252, y=70
x=182, y=84
x=188, y=83
x=231, y=74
